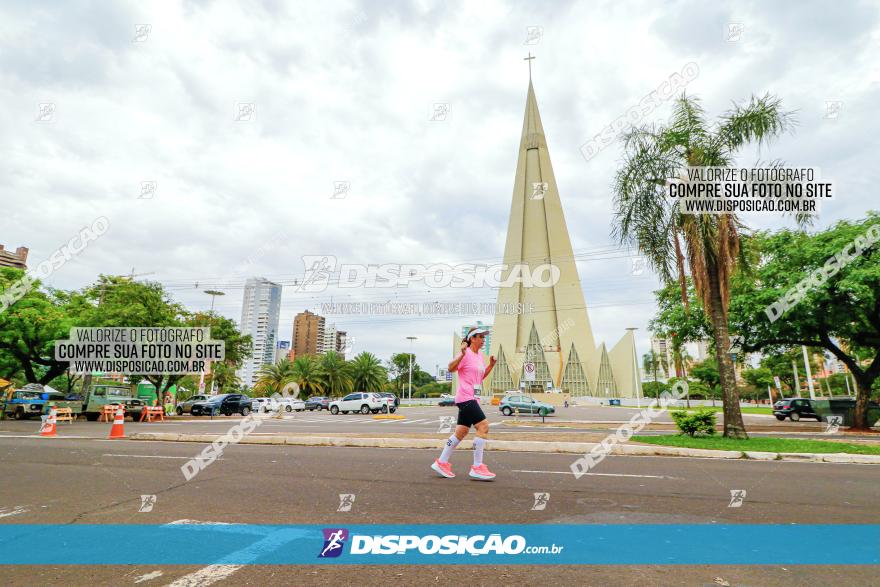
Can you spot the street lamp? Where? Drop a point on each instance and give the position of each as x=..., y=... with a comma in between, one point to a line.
x=214, y=293
x=410, y=339
x=636, y=368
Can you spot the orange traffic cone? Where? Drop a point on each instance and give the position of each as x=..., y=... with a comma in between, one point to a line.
x=118, y=423
x=48, y=427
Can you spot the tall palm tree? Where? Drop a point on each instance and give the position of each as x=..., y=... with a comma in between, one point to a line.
x=308, y=375
x=652, y=362
x=367, y=372
x=708, y=243
x=337, y=375
x=224, y=376
x=275, y=378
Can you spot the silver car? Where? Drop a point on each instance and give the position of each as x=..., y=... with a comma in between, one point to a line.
x=186, y=406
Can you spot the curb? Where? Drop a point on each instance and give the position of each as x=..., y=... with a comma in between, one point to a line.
x=521, y=446
x=388, y=417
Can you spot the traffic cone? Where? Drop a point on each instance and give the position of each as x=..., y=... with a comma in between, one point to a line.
x=48, y=428
x=118, y=425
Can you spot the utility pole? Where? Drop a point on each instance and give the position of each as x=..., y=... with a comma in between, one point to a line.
x=809, y=375
x=637, y=390
x=410, y=339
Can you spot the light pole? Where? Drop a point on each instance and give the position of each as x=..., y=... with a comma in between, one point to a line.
x=214, y=293
x=636, y=368
x=410, y=339
x=809, y=374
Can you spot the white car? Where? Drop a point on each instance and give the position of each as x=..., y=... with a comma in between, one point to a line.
x=267, y=404
x=289, y=404
x=363, y=403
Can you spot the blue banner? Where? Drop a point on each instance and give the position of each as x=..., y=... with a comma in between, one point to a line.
x=541, y=544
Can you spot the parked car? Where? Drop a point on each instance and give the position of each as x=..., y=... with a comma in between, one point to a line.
x=363, y=403
x=318, y=402
x=446, y=400
x=225, y=404
x=795, y=408
x=526, y=405
x=185, y=407
x=289, y=404
x=260, y=404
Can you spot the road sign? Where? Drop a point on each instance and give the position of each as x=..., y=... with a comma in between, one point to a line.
x=529, y=371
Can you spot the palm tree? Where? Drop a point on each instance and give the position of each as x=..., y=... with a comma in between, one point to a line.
x=337, y=374
x=651, y=362
x=308, y=375
x=367, y=372
x=275, y=378
x=224, y=376
x=709, y=243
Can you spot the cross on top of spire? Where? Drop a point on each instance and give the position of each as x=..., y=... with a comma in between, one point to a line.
x=529, y=59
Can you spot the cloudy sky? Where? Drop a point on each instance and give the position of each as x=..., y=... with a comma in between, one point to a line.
x=96, y=105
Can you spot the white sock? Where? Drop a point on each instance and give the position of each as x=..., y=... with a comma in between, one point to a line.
x=479, y=443
x=447, y=450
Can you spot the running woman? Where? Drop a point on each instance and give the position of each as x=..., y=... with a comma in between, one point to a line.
x=471, y=371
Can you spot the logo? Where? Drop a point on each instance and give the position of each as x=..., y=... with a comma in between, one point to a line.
x=147, y=503
x=832, y=423
x=638, y=265
x=541, y=501
x=346, y=500
x=439, y=111
x=737, y=497
x=340, y=189
x=446, y=424
x=318, y=270
x=539, y=188
x=334, y=541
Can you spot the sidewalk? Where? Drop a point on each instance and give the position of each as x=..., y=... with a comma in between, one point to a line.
x=550, y=446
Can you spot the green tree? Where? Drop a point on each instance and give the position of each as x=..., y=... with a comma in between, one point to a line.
x=779, y=363
x=367, y=373
x=309, y=375
x=398, y=368
x=708, y=243
x=337, y=374
x=652, y=363
x=274, y=378
x=706, y=372
x=29, y=328
x=679, y=321
x=839, y=309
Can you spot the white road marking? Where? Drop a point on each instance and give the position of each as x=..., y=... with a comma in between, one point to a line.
x=13, y=512
x=600, y=474
x=148, y=577
x=213, y=573
x=151, y=457
x=206, y=576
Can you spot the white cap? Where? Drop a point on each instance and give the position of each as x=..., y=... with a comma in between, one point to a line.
x=474, y=331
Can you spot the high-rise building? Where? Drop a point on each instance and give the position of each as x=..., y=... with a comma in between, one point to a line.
x=260, y=311
x=662, y=348
x=308, y=334
x=329, y=338
x=282, y=350
x=18, y=259
x=556, y=339
x=342, y=342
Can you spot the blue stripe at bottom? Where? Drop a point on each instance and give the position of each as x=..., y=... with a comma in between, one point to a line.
x=599, y=544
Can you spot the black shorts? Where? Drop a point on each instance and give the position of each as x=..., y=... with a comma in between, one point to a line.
x=470, y=413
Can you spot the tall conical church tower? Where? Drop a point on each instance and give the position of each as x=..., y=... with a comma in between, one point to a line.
x=556, y=336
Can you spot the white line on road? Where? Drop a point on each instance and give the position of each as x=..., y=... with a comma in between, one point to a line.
x=148, y=577
x=150, y=457
x=600, y=474
x=206, y=576
x=14, y=512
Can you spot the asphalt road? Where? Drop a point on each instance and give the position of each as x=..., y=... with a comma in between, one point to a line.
x=71, y=480
x=421, y=420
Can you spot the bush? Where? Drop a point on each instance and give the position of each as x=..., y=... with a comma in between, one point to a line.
x=692, y=423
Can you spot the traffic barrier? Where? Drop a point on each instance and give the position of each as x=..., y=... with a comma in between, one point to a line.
x=65, y=414
x=118, y=429
x=110, y=411
x=47, y=429
x=150, y=413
